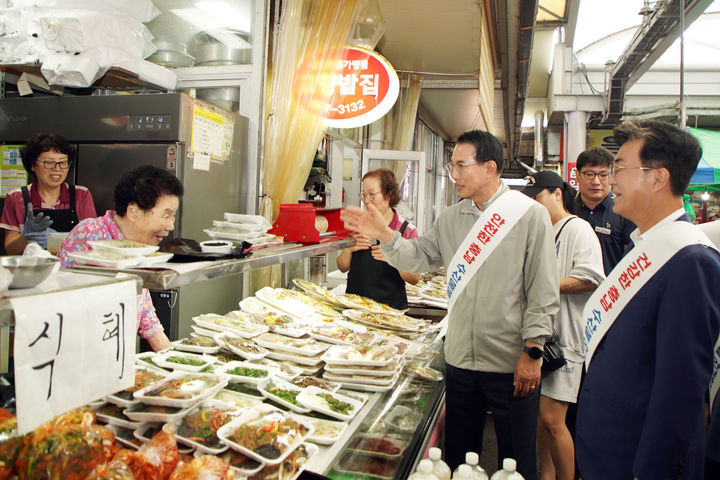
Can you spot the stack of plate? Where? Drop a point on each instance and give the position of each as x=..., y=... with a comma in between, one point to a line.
x=368, y=368
x=303, y=353
x=243, y=228
x=120, y=254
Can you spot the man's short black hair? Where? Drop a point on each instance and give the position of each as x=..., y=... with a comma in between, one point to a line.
x=487, y=147
x=594, y=157
x=664, y=146
x=144, y=186
x=43, y=142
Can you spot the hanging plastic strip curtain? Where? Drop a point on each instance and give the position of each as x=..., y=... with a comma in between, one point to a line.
x=304, y=66
x=404, y=116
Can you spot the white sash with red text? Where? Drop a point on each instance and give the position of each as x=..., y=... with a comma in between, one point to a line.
x=630, y=276
x=487, y=233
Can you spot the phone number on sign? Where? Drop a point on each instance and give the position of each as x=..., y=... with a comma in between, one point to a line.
x=350, y=107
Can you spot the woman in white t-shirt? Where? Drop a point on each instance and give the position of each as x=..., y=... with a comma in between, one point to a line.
x=581, y=271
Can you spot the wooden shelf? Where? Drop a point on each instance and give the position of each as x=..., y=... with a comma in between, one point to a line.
x=116, y=78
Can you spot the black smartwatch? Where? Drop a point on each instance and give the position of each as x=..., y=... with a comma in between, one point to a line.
x=533, y=352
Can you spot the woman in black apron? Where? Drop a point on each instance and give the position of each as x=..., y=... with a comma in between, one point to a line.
x=46, y=158
x=369, y=274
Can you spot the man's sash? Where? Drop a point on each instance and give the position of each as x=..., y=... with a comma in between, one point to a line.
x=487, y=233
x=630, y=276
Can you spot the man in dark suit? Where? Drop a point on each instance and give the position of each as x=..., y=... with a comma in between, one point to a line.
x=650, y=358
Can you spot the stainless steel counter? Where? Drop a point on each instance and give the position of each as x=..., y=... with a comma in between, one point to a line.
x=164, y=279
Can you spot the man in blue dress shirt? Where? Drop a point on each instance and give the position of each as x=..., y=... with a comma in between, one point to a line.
x=641, y=411
x=595, y=204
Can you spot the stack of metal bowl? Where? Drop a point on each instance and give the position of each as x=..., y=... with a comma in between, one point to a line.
x=28, y=271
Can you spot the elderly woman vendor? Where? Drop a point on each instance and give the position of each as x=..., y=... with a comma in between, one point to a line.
x=146, y=200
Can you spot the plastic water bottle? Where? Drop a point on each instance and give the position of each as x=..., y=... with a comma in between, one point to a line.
x=424, y=471
x=508, y=471
x=440, y=468
x=463, y=472
x=473, y=459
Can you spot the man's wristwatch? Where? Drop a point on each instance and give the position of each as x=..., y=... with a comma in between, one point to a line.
x=533, y=352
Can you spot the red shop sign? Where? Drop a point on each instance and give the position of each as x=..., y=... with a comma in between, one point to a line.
x=364, y=91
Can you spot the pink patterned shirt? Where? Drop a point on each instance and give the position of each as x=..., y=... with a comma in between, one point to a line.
x=105, y=228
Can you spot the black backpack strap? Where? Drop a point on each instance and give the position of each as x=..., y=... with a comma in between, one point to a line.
x=403, y=227
x=557, y=235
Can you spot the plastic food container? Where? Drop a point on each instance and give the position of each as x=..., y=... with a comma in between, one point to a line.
x=181, y=390
x=289, y=431
x=319, y=400
x=216, y=246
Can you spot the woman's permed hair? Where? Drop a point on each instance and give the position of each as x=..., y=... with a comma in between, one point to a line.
x=388, y=184
x=144, y=186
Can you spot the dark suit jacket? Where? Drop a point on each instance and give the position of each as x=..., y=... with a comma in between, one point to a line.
x=641, y=406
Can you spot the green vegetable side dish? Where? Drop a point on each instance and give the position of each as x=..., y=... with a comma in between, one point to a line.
x=186, y=361
x=335, y=404
x=248, y=372
x=289, y=396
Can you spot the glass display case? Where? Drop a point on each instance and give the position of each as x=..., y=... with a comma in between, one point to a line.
x=395, y=432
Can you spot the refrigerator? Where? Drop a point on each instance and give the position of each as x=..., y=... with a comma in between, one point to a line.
x=205, y=146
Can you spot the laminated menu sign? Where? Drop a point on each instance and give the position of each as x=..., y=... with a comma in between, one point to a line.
x=72, y=347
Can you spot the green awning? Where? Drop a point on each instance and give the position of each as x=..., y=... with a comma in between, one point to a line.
x=707, y=175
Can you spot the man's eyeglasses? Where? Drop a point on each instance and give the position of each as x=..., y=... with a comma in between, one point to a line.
x=615, y=170
x=50, y=165
x=459, y=167
x=368, y=195
x=590, y=175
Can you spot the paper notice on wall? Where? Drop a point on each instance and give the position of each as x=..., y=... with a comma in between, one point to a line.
x=12, y=172
x=72, y=347
x=207, y=133
x=201, y=162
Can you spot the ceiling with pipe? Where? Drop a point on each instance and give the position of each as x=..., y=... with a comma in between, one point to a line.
x=442, y=41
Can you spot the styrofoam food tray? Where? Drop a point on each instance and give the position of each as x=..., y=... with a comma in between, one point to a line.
x=369, y=388
x=242, y=472
x=287, y=344
x=124, y=402
x=234, y=378
x=320, y=425
x=154, y=259
x=120, y=422
x=162, y=360
x=240, y=227
x=267, y=384
x=299, y=359
x=337, y=355
x=179, y=345
x=270, y=471
x=245, y=218
x=221, y=339
x=389, y=370
x=226, y=431
x=85, y=259
x=196, y=386
x=309, y=398
x=114, y=247
x=361, y=379
x=244, y=328
x=146, y=417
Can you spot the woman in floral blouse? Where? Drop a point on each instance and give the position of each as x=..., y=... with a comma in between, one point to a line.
x=146, y=201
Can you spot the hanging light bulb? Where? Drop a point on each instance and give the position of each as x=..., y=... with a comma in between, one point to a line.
x=705, y=196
